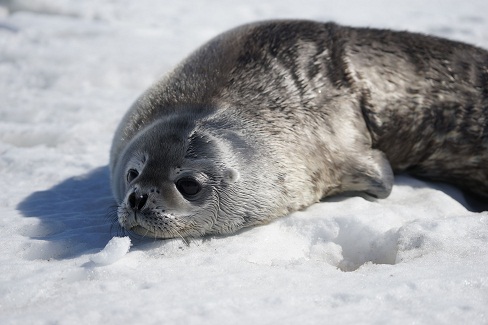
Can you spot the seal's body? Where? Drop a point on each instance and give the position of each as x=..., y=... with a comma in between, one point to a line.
x=271, y=117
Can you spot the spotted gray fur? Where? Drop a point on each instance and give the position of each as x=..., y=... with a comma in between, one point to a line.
x=273, y=116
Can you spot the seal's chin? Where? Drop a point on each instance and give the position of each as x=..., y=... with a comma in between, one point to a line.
x=141, y=231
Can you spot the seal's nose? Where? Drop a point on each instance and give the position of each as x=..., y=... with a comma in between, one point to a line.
x=137, y=201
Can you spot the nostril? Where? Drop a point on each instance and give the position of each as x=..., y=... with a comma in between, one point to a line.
x=132, y=200
x=137, y=202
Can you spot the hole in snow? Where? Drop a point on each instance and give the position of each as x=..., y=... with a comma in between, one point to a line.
x=351, y=243
x=361, y=244
x=347, y=242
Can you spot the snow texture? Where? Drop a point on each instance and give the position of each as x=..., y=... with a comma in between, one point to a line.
x=70, y=69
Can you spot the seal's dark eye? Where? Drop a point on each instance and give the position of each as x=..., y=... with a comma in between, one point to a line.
x=131, y=175
x=188, y=186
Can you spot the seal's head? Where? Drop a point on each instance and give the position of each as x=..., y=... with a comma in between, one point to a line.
x=175, y=179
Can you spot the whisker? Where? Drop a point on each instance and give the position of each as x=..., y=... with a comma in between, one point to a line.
x=111, y=215
x=182, y=238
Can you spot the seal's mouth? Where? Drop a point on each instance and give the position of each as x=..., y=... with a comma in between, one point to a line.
x=157, y=224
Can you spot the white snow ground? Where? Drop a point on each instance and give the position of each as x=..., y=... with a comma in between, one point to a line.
x=68, y=71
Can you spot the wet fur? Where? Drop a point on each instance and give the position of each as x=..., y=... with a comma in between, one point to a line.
x=297, y=111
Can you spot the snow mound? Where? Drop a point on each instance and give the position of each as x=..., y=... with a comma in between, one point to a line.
x=115, y=249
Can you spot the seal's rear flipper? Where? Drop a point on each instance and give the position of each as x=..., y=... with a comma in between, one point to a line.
x=371, y=175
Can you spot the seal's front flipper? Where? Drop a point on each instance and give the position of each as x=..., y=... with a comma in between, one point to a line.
x=371, y=175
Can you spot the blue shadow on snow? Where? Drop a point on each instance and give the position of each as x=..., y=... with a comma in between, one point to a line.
x=74, y=217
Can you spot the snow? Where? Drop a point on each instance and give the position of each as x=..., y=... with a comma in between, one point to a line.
x=115, y=249
x=68, y=72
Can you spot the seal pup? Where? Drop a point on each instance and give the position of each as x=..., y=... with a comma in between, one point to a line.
x=271, y=117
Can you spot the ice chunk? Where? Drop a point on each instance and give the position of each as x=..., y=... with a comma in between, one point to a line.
x=115, y=249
